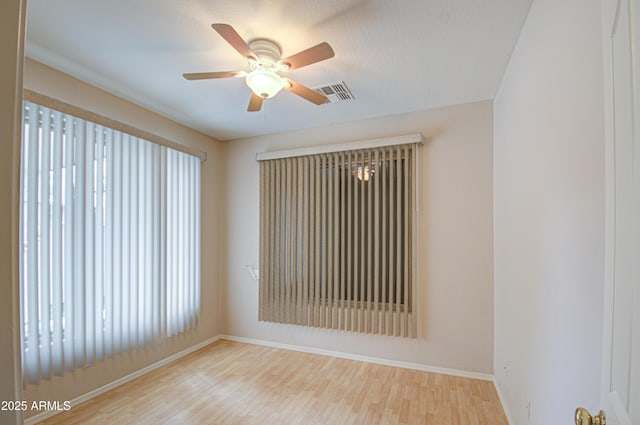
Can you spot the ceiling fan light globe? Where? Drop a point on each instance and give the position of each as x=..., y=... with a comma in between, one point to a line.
x=264, y=83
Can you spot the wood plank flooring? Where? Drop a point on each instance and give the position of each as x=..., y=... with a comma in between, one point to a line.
x=233, y=383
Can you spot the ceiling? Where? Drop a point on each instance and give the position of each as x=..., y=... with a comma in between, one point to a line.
x=395, y=56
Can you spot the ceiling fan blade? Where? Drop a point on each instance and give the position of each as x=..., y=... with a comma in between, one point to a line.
x=313, y=54
x=255, y=103
x=209, y=75
x=228, y=33
x=305, y=92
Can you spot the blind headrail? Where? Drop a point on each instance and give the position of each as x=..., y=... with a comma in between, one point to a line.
x=341, y=147
x=67, y=108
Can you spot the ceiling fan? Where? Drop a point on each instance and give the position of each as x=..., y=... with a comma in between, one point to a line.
x=265, y=63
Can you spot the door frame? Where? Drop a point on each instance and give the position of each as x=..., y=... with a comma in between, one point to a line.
x=611, y=10
x=12, y=32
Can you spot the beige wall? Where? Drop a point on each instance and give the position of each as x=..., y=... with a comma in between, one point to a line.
x=11, y=44
x=549, y=215
x=456, y=284
x=50, y=82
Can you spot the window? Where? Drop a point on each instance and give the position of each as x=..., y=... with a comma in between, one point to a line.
x=337, y=242
x=110, y=256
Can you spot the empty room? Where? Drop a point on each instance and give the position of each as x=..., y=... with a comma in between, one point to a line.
x=320, y=212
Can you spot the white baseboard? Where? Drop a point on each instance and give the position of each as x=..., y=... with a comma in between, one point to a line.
x=91, y=394
x=503, y=401
x=367, y=359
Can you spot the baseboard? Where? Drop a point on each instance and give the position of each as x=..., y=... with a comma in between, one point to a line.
x=503, y=401
x=91, y=394
x=367, y=359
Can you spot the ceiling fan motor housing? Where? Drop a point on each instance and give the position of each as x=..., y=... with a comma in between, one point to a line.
x=268, y=53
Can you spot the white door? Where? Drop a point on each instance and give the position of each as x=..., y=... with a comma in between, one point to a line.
x=621, y=347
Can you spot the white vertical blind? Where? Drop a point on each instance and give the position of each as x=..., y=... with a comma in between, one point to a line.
x=336, y=239
x=111, y=251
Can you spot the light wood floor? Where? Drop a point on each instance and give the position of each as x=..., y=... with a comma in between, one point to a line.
x=233, y=383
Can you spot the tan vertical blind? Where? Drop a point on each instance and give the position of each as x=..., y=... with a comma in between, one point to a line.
x=336, y=240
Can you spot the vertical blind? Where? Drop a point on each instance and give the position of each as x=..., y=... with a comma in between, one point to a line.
x=110, y=256
x=337, y=242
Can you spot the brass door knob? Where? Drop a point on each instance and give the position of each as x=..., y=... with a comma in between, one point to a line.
x=583, y=417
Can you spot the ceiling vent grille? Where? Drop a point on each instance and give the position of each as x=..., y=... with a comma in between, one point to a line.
x=335, y=92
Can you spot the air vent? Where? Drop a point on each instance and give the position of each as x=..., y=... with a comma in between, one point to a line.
x=335, y=92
